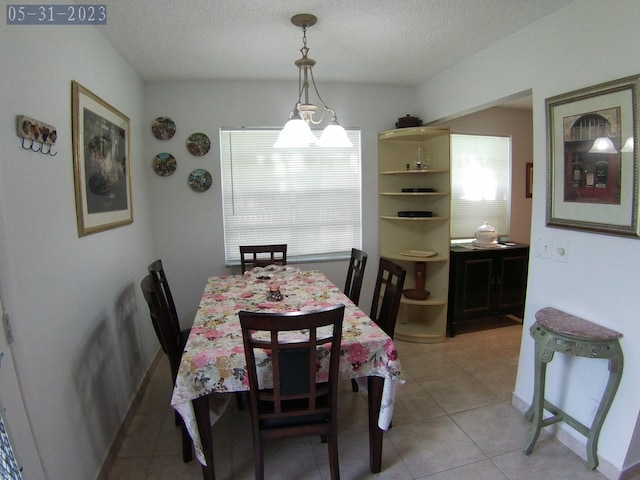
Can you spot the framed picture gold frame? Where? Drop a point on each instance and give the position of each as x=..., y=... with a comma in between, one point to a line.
x=102, y=163
x=592, y=164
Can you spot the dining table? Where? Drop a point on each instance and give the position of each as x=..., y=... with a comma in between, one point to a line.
x=213, y=364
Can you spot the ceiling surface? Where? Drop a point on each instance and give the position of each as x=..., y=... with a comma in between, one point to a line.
x=378, y=42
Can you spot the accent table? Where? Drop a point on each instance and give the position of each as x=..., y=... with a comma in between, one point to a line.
x=558, y=331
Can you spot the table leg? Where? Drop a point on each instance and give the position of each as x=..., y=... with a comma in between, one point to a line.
x=535, y=413
x=375, y=386
x=615, y=375
x=201, y=410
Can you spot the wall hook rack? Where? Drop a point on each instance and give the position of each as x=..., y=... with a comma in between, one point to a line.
x=40, y=134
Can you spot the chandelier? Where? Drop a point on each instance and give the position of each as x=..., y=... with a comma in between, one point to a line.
x=297, y=131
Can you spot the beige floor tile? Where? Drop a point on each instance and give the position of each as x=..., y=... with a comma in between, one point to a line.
x=129, y=469
x=284, y=460
x=414, y=404
x=462, y=392
x=549, y=460
x=429, y=365
x=354, y=459
x=352, y=411
x=496, y=429
x=500, y=380
x=141, y=437
x=157, y=396
x=171, y=467
x=433, y=446
x=170, y=437
x=484, y=470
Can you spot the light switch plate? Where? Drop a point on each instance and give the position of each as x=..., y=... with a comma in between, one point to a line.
x=544, y=248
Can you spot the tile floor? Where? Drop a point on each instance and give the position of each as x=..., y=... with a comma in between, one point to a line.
x=453, y=421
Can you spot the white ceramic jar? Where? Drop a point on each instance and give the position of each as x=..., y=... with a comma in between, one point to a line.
x=486, y=234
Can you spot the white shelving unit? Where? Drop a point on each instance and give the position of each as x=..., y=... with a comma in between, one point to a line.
x=423, y=321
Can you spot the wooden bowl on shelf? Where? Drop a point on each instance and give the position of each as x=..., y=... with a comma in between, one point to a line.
x=416, y=294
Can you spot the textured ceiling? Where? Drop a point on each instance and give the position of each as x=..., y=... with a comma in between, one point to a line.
x=381, y=42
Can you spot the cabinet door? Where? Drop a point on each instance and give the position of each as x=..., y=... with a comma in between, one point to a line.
x=512, y=287
x=475, y=287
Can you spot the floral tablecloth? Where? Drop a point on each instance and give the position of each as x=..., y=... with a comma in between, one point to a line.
x=213, y=361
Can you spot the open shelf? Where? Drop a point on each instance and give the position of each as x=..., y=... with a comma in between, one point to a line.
x=399, y=152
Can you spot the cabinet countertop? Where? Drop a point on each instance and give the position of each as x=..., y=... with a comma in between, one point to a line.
x=469, y=247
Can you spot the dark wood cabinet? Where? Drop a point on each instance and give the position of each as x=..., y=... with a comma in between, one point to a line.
x=485, y=283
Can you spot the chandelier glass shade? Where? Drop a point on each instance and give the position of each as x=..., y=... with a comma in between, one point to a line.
x=297, y=131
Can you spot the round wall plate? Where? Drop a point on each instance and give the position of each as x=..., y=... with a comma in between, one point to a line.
x=163, y=128
x=198, y=144
x=164, y=164
x=200, y=180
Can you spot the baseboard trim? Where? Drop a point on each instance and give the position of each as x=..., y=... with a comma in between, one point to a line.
x=126, y=422
x=631, y=473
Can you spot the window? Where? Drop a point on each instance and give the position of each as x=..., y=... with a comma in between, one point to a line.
x=308, y=198
x=480, y=184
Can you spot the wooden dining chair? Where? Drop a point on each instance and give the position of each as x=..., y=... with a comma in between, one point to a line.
x=159, y=277
x=355, y=275
x=293, y=401
x=156, y=270
x=252, y=256
x=172, y=344
x=387, y=294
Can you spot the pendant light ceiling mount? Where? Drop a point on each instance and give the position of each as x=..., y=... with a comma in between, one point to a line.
x=297, y=131
x=304, y=20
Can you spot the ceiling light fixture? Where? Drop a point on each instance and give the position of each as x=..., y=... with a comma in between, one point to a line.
x=297, y=131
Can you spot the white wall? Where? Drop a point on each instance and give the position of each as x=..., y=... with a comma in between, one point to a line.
x=83, y=339
x=583, y=44
x=188, y=225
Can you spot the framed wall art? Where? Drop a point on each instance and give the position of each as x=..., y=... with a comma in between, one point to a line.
x=528, y=193
x=102, y=163
x=592, y=163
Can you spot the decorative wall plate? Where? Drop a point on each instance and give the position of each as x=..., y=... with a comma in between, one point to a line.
x=164, y=164
x=198, y=144
x=163, y=128
x=200, y=180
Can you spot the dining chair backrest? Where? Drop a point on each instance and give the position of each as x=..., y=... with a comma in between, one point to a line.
x=172, y=344
x=355, y=275
x=162, y=324
x=291, y=400
x=156, y=270
x=262, y=255
x=387, y=294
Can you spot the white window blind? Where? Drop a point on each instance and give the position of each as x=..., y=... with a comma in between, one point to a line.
x=480, y=184
x=308, y=198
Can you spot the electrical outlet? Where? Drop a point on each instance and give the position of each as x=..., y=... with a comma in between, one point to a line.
x=560, y=250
